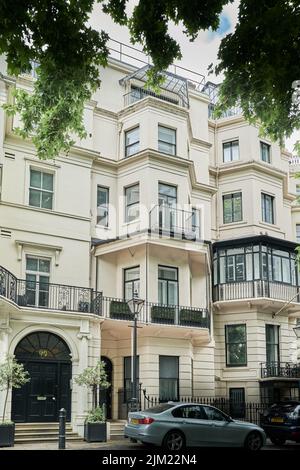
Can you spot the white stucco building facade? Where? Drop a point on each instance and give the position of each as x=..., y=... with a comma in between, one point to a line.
x=196, y=215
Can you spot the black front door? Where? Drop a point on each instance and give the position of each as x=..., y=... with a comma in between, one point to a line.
x=47, y=392
x=106, y=394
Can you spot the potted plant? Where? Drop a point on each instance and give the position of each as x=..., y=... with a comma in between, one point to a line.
x=95, y=379
x=163, y=314
x=12, y=375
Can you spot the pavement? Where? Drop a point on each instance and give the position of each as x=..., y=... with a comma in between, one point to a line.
x=123, y=444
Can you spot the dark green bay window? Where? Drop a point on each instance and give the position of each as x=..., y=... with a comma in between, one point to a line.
x=236, y=345
x=232, y=208
x=254, y=262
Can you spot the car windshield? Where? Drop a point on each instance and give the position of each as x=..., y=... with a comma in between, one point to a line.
x=159, y=408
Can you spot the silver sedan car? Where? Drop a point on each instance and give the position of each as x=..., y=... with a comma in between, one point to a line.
x=175, y=426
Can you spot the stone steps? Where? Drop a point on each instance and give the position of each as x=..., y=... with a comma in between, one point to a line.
x=42, y=432
x=117, y=430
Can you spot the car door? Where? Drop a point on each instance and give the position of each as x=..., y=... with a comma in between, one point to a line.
x=223, y=432
x=194, y=424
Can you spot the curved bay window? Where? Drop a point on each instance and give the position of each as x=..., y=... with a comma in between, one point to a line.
x=257, y=269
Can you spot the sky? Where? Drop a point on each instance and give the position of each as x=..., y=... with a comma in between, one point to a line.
x=196, y=55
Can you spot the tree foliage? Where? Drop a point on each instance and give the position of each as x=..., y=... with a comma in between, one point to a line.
x=12, y=375
x=93, y=378
x=260, y=59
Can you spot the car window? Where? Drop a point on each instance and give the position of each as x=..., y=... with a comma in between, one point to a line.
x=213, y=414
x=189, y=412
x=160, y=408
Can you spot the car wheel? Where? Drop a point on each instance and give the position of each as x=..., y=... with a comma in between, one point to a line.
x=174, y=440
x=253, y=441
x=277, y=441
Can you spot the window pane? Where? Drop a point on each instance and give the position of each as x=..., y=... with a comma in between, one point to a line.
x=168, y=367
x=172, y=293
x=102, y=196
x=133, y=212
x=162, y=292
x=132, y=194
x=277, y=268
x=168, y=389
x=227, y=152
x=34, y=198
x=222, y=269
x=132, y=136
x=237, y=353
x=167, y=273
x=32, y=264
x=166, y=148
x=47, y=200
x=132, y=149
x=265, y=152
x=236, y=333
x=44, y=266
x=240, y=268
x=235, y=150
x=237, y=207
x=227, y=209
x=286, y=272
x=47, y=181
x=167, y=190
x=166, y=134
x=35, y=179
x=132, y=273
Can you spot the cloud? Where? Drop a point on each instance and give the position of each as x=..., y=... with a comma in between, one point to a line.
x=224, y=27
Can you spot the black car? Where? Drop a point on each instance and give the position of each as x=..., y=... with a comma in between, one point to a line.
x=281, y=422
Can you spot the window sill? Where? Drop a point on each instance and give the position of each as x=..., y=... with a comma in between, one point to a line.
x=227, y=368
x=135, y=221
x=268, y=225
x=232, y=224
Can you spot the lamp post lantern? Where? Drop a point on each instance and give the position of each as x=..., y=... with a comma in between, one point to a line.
x=135, y=305
x=297, y=331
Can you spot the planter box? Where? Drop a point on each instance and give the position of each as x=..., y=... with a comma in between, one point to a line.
x=160, y=314
x=95, y=432
x=189, y=317
x=120, y=311
x=7, y=435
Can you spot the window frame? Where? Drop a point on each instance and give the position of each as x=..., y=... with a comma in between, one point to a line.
x=264, y=197
x=127, y=206
x=231, y=142
x=106, y=204
x=41, y=191
x=227, y=327
x=276, y=345
x=174, y=146
x=127, y=146
x=37, y=282
x=232, y=197
x=166, y=378
x=262, y=146
x=175, y=269
x=132, y=281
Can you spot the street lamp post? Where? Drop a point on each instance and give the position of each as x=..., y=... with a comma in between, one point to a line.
x=135, y=305
x=297, y=331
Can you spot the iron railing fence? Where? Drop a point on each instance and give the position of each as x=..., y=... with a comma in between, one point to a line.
x=245, y=411
x=289, y=370
x=176, y=223
x=255, y=289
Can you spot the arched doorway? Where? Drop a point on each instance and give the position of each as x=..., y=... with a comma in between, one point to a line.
x=47, y=358
x=106, y=394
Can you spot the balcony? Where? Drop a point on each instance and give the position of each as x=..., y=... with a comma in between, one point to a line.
x=49, y=296
x=286, y=370
x=175, y=223
x=118, y=309
x=256, y=289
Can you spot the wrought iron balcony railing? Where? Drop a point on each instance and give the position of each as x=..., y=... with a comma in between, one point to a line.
x=287, y=370
x=118, y=309
x=27, y=293
x=44, y=295
x=256, y=289
x=176, y=223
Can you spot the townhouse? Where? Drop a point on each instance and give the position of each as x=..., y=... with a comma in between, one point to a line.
x=196, y=216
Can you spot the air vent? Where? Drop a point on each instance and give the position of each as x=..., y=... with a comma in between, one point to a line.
x=5, y=233
x=9, y=155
